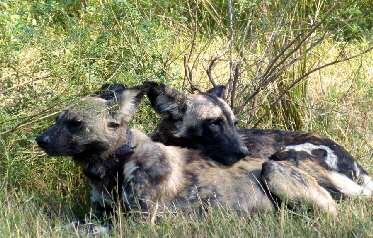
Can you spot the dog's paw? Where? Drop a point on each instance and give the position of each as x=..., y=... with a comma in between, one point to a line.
x=88, y=228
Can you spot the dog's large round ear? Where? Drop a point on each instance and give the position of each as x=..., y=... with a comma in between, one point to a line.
x=167, y=101
x=218, y=91
x=110, y=91
x=122, y=102
x=130, y=99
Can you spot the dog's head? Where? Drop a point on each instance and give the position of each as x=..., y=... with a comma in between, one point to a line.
x=201, y=121
x=96, y=126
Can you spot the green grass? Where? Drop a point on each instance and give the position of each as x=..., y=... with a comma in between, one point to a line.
x=23, y=217
x=54, y=52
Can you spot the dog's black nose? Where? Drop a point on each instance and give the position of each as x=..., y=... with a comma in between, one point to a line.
x=42, y=140
x=242, y=152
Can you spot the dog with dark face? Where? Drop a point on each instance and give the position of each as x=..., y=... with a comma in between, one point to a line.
x=125, y=166
x=204, y=121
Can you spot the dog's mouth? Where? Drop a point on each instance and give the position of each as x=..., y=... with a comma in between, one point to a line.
x=45, y=143
x=226, y=162
x=52, y=152
x=61, y=150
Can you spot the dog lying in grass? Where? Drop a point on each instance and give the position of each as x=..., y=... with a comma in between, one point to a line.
x=125, y=166
x=203, y=121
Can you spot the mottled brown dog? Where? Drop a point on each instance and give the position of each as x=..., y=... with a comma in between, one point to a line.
x=124, y=165
x=202, y=121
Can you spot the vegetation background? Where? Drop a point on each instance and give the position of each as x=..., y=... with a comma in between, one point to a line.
x=297, y=65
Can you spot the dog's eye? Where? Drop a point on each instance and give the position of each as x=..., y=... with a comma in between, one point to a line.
x=214, y=121
x=113, y=125
x=74, y=123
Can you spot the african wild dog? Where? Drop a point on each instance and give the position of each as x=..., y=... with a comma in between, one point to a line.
x=148, y=176
x=201, y=120
x=216, y=135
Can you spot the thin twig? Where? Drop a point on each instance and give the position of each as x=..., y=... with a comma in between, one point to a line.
x=236, y=75
x=24, y=83
x=210, y=68
x=232, y=66
x=28, y=123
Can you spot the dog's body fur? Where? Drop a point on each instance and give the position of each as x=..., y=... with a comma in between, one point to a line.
x=126, y=166
x=174, y=179
x=329, y=163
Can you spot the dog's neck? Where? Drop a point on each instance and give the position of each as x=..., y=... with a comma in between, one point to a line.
x=98, y=170
x=127, y=149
